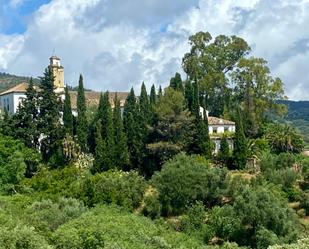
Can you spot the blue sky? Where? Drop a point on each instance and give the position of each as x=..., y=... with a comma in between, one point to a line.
x=119, y=43
x=15, y=14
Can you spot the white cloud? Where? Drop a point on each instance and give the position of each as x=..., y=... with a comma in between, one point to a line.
x=118, y=43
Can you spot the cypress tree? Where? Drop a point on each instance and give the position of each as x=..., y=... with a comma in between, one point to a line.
x=153, y=96
x=160, y=93
x=240, y=153
x=224, y=152
x=144, y=107
x=49, y=121
x=121, y=156
x=26, y=118
x=189, y=95
x=81, y=122
x=202, y=142
x=132, y=130
x=67, y=113
x=102, y=159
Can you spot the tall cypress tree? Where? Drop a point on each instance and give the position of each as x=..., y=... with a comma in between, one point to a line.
x=160, y=93
x=102, y=159
x=189, y=95
x=240, y=153
x=132, y=130
x=201, y=139
x=26, y=118
x=153, y=96
x=49, y=120
x=67, y=113
x=107, y=124
x=224, y=152
x=121, y=156
x=144, y=108
x=81, y=122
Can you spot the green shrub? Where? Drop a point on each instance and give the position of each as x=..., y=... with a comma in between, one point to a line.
x=122, y=188
x=151, y=206
x=46, y=215
x=185, y=180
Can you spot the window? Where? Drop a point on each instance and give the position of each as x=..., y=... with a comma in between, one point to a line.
x=226, y=129
x=215, y=130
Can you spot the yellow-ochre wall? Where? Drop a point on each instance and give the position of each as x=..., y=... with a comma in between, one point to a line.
x=58, y=73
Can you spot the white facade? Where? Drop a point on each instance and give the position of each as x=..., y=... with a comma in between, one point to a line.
x=10, y=102
x=213, y=129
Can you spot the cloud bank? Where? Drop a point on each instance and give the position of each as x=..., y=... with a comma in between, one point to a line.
x=117, y=43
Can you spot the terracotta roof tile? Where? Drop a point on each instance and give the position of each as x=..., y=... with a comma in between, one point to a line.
x=219, y=121
x=93, y=98
x=20, y=88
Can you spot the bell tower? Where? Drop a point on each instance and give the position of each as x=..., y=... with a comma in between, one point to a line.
x=57, y=72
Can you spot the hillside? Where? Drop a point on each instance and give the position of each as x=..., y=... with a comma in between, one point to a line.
x=298, y=116
x=8, y=80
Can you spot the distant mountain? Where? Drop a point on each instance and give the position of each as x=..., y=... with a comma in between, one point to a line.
x=8, y=80
x=297, y=109
x=298, y=116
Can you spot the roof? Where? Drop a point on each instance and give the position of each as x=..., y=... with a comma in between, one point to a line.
x=20, y=88
x=54, y=57
x=219, y=121
x=93, y=98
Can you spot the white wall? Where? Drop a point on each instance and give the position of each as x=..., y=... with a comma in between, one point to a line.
x=221, y=128
x=13, y=100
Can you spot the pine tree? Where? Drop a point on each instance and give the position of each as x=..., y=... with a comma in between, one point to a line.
x=224, y=152
x=153, y=96
x=176, y=82
x=240, y=152
x=49, y=120
x=121, y=156
x=26, y=118
x=67, y=114
x=81, y=122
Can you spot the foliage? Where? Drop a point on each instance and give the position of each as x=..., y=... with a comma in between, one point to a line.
x=171, y=130
x=300, y=244
x=16, y=161
x=122, y=188
x=111, y=227
x=49, y=121
x=283, y=138
x=81, y=122
x=67, y=113
x=257, y=217
x=185, y=180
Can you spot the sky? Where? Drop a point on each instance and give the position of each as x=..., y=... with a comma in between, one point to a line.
x=117, y=44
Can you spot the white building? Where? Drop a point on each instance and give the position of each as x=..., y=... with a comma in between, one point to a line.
x=10, y=99
x=219, y=127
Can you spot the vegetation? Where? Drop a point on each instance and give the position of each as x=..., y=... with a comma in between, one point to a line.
x=147, y=175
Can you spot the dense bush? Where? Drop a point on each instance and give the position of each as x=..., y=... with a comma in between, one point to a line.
x=46, y=215
x=258, y=217
x=122, y=188
x=111, y=227
x=16, y=162
x=185, y=180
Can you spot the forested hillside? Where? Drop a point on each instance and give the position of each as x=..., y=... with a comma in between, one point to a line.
x=148, y=176
x=8, y=80
x=298, y=116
